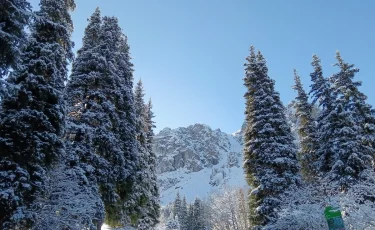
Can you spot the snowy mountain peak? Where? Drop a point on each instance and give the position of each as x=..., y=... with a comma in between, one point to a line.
x=197, y=159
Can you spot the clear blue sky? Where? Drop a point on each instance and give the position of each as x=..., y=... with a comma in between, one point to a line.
x=190, y=53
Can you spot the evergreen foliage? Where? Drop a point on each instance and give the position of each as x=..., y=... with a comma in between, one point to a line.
x=146, y=188
x=321, y=92
x=173, y=224
x=177, y=205
x=306, y=131
x=198, y=215
x=270, y=156
x=102, y=118
x=345, y=150
x=32, y=118
x=14, y=16
x=352, y=152
x=80, y=120
x=184, y=224
x=153, y=205
x=190, y=217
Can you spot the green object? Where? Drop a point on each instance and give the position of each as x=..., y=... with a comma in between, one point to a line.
x=334, y=218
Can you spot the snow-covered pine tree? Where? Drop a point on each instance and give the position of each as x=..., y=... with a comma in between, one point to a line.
x=154, y=203
x=69, y=201
x=271, y=164
x=352, y=157
x=126, y=122
x=146, y=186
x=198, y=215
x=365, y=114
x=101, y=115
x=80, y=120
x=14, y=16
x=177, y=205
x=190, y=217
x=184, y=215
x=142, y=185
x=32, y=119
x=306, y=131
x=322, y=93
x=172, y=223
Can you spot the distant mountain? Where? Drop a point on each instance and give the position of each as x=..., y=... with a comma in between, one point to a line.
x=197, y=160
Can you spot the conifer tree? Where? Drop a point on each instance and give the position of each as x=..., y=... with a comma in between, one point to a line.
x=149, y=191
x=352, y=153
x=177, y=205
x=14, y=16
x=101, y=115
x=190, y=217
x=152, y=205
x=198, y=215
x=173, y=223
x=321, y=92
x=306, y=131
x=270, y=164
x=147, y=205
x=184, y=215
x=32, y=121
x=80, y=120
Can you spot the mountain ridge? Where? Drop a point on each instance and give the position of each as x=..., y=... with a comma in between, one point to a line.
x=197, y=160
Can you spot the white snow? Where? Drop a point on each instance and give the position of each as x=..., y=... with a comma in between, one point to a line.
x=197, y=184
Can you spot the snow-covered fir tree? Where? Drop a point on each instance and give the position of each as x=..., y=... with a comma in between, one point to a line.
x=15, y=15
x=321, y=93
x=190, y=217
x=172, y=223
x=141, y=189
x=306, y=131
x=146, y=188
x=79, y=130
x=352, y=155
x=198, y=215
x=153, y=204
x=101, y=115
x=69, y=201
x=270, y=156
x=177, y=205
x=184, y=215
x=32, y=118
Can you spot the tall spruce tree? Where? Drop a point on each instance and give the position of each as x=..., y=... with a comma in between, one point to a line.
x=306, y=131
x=81, y=121
x=190, y=217
x=142, y=186
x=101, y=115
x=364, y=113
x=14, y=16
x=148, y=204
x=184, y=225
x=322, y=93
x=153, y=203
x=198, y=215
x=115, y=48
x=177, y=205
x=352, y=156
x=32, y=120
x=270, y=156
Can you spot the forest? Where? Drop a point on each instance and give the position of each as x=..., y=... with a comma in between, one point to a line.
x=76, y=145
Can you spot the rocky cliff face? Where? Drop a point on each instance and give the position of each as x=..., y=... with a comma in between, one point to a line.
x=192, y=148
x=196, y=159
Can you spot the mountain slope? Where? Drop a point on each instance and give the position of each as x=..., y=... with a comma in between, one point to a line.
x=197, y=160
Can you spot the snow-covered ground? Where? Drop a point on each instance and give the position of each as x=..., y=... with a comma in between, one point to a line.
x=106, y=227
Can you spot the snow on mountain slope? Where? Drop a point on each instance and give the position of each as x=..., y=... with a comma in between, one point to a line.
x=197, y=160
x=106, y=227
